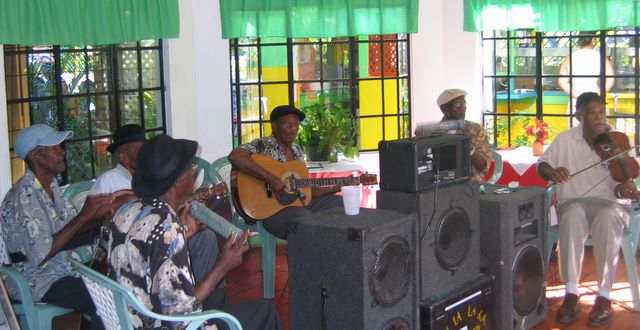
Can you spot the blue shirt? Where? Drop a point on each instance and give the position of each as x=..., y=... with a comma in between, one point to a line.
x=29, y=219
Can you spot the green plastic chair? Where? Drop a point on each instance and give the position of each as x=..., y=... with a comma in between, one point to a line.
x=113, y=301
x=204, y=165
x=31, y=315
x=497, y=167
x=220, y=170
x=629, y=246
x=76, y=193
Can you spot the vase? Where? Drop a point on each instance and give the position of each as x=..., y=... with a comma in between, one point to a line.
x=538, y=148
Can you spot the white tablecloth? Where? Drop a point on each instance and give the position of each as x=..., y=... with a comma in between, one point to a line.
x=520, y=158
x=341, y=166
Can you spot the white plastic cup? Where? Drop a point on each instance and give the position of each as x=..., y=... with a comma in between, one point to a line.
x=351, y=199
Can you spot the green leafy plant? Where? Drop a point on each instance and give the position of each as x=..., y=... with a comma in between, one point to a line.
x=328, y=129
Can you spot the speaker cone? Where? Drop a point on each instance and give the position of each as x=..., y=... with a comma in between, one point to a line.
x=452, y=240
x=391, y=273
x=397, y=324
x=528, y=280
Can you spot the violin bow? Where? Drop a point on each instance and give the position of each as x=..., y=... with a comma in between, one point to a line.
x=607, y=160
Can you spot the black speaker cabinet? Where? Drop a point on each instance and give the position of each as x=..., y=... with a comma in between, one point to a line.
x=469, y=306
x=419, y=163
x=448, y=233
x=353, y=272
x=512, y=236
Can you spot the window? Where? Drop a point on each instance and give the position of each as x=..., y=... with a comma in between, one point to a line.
x=90, y=90
x=368, y=75
x=523, y=80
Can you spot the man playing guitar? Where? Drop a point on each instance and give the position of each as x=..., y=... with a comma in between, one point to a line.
x=285, y=122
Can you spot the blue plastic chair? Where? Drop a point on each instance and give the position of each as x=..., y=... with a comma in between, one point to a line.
x=220, y=169
x=31, y=315
x=629, y=246
x=113, y=301
x=497, y=167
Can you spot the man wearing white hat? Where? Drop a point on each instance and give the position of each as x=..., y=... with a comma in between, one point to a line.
x=38, y=224
x=453, y=105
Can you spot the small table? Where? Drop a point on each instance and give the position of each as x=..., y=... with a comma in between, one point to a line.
x=343, y=168
x=519, y=164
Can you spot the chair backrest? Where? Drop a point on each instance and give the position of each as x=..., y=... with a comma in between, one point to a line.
x=497, y=167
x=76, y=193
x=219, y=171
x=204, y=166
x=112, y=302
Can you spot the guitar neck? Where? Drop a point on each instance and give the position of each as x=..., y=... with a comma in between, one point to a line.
x=305, y=183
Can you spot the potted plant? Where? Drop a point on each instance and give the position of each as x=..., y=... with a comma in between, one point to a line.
x=327, y=130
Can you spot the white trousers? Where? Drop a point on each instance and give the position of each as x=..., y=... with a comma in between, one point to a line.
x=605, y=221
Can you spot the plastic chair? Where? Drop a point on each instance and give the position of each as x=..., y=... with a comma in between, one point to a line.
x=629, y=246
x=112, y=301
x=76, y=193
x=497, y=167
x=220, y=169
x=204, y=165
x=31, y=315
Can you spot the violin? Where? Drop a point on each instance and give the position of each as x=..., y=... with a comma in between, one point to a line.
x=614, y=147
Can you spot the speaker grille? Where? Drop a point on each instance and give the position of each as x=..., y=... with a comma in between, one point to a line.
x=452, y=238
x=528, y=280
x=391, y=273
x=397, y=324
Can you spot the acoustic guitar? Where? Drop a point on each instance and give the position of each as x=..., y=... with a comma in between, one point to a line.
x=255, y=200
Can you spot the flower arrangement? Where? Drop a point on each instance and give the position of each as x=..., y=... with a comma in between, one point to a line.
x=538, y=130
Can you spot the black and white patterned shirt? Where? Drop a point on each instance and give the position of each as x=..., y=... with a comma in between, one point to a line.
x=148, y=255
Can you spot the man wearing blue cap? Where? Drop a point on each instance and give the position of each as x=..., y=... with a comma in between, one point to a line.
x=37, y=223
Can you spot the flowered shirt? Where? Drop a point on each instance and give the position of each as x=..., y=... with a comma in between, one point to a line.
x=480, y=143
x=269, y=147
x=29, y=219
x=148, y=255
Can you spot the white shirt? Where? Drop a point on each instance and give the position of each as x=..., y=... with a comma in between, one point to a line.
x=570, y=150
x=115, y=179
x=585, y=62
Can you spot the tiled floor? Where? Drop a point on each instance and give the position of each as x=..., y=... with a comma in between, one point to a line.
x=245, y=283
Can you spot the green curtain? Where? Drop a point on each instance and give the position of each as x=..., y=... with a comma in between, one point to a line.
x=86, y=22
x=317, y=18
x=549, y=15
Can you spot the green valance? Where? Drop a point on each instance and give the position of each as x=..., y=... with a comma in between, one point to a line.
x=86, y=22
x=546, y=15
x=317, y=18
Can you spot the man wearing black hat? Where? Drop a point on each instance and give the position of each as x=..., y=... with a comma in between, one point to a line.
x=148, y=253
x=127, y=140
x=285, y=122
x=589, y=203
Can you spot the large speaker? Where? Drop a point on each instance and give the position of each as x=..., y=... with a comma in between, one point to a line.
x=512, y=235
x=353, y=272
x=448, y=233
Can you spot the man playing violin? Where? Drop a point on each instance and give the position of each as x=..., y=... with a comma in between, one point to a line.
x=285, y=122
x=127, y=140
x=592, y=202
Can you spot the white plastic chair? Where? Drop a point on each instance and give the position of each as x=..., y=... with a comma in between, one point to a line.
x=112, y=302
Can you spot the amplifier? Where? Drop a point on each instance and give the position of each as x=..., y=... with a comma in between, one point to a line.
x=418, y=163
x=470, y=306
